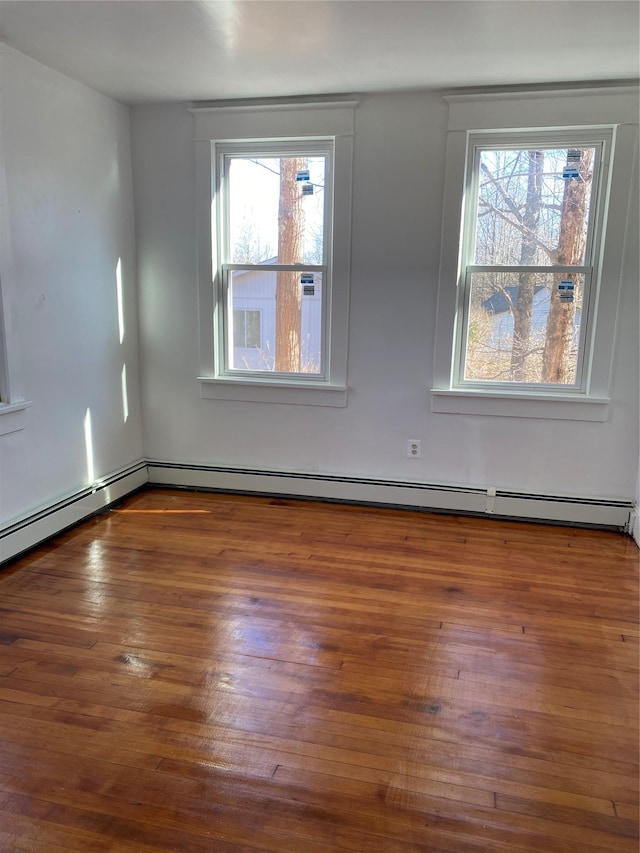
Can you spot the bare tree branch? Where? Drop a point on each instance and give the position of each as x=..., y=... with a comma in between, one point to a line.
x=550, y=252
x=260, y=163
x=513, y=207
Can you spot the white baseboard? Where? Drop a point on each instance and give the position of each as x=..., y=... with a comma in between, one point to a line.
x=28, y=531
x=597, y=512
x=323, y=487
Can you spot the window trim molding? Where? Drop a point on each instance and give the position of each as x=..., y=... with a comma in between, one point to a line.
x=13, y=416
x=13, y=406
x=521, y=112
x=256, y=390
x=519, y=404
x=285, y=122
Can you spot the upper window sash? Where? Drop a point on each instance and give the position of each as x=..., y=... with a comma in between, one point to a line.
x=224, y=153
x=601, y=139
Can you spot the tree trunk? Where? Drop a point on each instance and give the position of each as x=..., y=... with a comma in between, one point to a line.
x=527, y=280
x=556, y=367
x=290, y=247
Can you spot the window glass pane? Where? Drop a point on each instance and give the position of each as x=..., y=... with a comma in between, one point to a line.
x=276, y=209
x=246, y=328
x=524, y=327
x=533, y=206
x=252, y=329
x=277, y=321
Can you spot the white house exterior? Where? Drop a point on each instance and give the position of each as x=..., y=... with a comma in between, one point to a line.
x=254, y=320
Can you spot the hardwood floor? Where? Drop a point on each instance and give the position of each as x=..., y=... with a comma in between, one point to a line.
x=199, y=672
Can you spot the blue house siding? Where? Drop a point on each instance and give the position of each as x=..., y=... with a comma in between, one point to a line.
x=497, y=307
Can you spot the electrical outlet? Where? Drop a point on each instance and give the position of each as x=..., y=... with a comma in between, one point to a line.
x=414, y=451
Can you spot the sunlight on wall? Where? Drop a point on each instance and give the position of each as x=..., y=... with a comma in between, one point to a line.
x=123, y=376
x=88, y=443
x=125, y=395
x=119, y=296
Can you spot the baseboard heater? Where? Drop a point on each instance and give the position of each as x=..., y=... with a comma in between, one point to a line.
x=595, y=512
x=26, y=532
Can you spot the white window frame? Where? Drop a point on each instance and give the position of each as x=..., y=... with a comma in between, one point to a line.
x=224, y=152
x=557, y=116
x=602, y=141
x=262, y=125
x=13, y=406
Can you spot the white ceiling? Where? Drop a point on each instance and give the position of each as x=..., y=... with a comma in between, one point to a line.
x=141, y=51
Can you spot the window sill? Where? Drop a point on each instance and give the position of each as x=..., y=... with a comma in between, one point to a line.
x=520, y=405
x=13, y=416
x=257, y=391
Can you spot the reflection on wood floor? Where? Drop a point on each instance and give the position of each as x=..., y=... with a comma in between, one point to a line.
x=201, y=672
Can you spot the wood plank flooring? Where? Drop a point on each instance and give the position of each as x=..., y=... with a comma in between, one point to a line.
x=200, y=672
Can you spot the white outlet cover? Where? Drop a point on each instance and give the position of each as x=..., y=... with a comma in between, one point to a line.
x=414, y=449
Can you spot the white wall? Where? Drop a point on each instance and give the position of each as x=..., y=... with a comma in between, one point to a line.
x=67, y=219
x=398, y=186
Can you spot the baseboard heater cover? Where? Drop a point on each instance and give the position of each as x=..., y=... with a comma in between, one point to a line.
x=34, y=528
x=596, y=512
x=27, y=532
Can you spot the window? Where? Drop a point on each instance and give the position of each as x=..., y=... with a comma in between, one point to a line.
x=246, y=329
x=274, y=215
x=531, y=257
x=274, y=225
x=529, y=244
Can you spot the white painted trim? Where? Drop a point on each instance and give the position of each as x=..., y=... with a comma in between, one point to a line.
x=536, y=94
x=599, y=512
x=273, y=120
x=634, y=524
x=13, y=416
x=267, y=105
x=456, y=401
x=297, y=393
x=277, y=123
x=11, y=386
x=544, y=108
x=25, y=533
x=28, y=531
x=513, y=112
